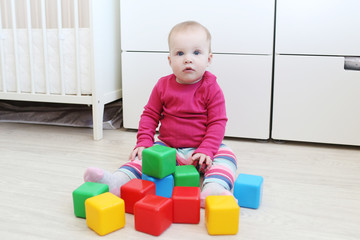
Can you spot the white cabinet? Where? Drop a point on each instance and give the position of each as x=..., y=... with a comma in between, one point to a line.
x=236, y=26
x=242, y=42
x=315, y=98
x=318, y=27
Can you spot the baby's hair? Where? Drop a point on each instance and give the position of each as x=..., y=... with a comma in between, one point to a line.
x=187, y=25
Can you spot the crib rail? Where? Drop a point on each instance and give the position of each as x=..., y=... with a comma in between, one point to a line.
x=44, y=47
x=61, y=51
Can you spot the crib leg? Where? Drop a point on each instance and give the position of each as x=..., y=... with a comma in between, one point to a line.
x=98, y=116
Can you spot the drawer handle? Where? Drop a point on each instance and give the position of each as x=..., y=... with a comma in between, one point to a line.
x=352, y=63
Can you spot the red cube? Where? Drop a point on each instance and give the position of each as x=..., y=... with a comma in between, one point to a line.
x=186, y=204
x=134, y=190
x=153, y=214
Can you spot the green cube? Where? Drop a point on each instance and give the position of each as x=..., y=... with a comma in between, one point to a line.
x=186, y=176
x=158, y=161
x=85, y=191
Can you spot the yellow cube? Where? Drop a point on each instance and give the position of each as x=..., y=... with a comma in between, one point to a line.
x=105, y=213
x=222, y=215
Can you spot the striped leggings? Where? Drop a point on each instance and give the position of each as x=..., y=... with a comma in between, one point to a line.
x=222, y=171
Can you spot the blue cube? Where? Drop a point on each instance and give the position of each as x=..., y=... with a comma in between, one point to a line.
x=163, y=187
x=248, y=190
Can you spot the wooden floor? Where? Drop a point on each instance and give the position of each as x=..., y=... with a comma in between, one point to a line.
x=311, y=191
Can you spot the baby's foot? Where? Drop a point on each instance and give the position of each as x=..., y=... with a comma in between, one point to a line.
x=93, y=174
x=114, y=181
x=211, y=189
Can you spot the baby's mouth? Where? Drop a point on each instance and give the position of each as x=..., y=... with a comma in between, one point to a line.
x=188, y=69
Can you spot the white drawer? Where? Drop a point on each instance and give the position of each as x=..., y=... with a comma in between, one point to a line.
x=236, y=26
x=318, y=27
x=140, y=72
x=316, y=100
x=245, y=80
x=246, y=83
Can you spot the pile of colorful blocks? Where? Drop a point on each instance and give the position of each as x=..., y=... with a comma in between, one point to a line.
x=166, y=194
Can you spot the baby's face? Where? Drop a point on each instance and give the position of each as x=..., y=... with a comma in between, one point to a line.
x=189, y=55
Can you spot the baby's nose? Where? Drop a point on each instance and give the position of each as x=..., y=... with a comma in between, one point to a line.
x=188, y=60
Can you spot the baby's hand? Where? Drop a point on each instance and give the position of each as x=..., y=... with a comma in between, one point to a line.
x=203, y=160
x=136, y=152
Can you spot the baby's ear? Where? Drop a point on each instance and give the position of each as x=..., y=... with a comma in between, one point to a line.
x=169, y=59
x=210, y=58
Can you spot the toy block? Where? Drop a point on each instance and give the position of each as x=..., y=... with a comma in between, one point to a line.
x=187, y=176
x=222, y=215
x=153, y=214
x=85, y=191
x=105, y=213
x=248, y=190
x=186, y=205
x=164, y=187
x=134, y=190
x=158, y=161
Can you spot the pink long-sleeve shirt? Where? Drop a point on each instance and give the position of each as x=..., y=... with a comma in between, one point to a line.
x=191, y=115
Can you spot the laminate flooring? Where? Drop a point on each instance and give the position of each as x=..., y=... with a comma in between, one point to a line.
x=310, y=191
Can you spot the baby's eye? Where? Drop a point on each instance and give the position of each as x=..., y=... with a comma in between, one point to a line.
x=196, y=52
x=179, y=53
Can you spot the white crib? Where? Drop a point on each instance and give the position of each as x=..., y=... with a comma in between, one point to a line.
x=61, y=51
